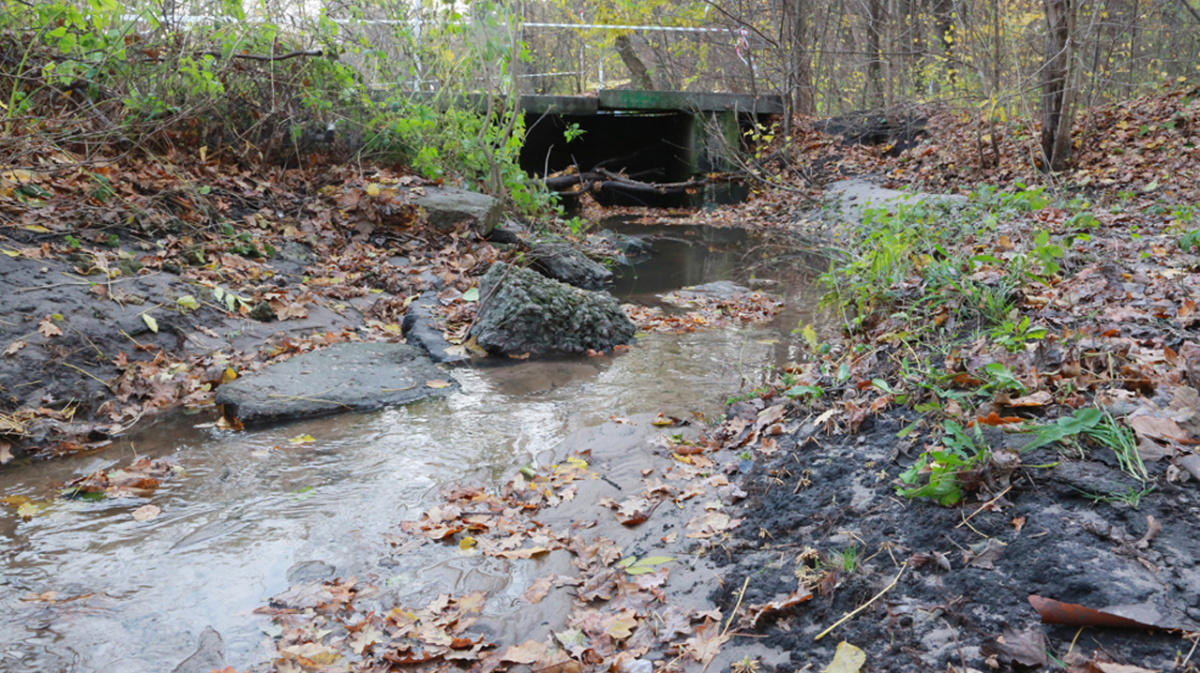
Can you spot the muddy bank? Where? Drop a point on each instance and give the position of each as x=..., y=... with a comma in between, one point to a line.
x=824, y=512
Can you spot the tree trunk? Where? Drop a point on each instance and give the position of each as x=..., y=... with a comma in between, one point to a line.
x=875, y=17
x=641, y=76
x=943, y=11
x=803, y=101
x=1058, y=94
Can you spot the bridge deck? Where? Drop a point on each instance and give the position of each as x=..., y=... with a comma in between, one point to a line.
x=651, y=101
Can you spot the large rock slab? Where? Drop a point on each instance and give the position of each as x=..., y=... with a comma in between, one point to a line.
x=522, y=311
x=343, y=377
x=448, y=207
x=563, y=262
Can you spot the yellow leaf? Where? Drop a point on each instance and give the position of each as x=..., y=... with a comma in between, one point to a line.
x=372, y=189
x=228, y=375
x=151, y=323
x=810, y=337
x=11, y=253
x=466, y=543
x=847, y=659
x=29, y=509
x=37, y=228
x=302, y=439
x=437, y=384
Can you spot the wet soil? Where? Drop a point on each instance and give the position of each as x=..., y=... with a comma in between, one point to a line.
x=960, y=585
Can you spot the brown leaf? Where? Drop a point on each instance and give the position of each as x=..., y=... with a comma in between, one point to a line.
x=47, y=328
x=13, y=348
x=1039, y=399
x=538, y=590
x=780, y=604
x=635, y=509
x=146, y=512
x=709, y=524
x=1154, y=427
x=1026, y=648
x=707, y=642
x=527, y=652
x=1138, y=616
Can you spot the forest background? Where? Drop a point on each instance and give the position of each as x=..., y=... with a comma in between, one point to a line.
x=294, y=84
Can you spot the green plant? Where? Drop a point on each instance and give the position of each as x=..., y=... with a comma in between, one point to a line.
x=1013, y=335
x=848, y=559
x=804, y=393
x=573, y=132
x=1190, y=241
x=961, y=452
x=1103, y=428
x=1131, y=496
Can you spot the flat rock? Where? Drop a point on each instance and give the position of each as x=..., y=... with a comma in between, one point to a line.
x=343, y=377
x=448, y=207
x=522, y=311
x=564, y=263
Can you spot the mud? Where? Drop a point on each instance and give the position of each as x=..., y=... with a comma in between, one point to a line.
x=960, y=584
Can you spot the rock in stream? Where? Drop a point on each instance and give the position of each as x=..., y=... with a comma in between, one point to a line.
x=343, y=377
x=523, y=312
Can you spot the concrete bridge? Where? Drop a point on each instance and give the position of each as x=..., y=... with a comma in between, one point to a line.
x=649, y=136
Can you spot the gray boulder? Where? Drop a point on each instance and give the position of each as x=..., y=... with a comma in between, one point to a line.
x=563, y=262
x=522, y=312
x=343, y=377
x=447, y=207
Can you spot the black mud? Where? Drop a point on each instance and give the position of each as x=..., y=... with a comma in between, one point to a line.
x=835, y=493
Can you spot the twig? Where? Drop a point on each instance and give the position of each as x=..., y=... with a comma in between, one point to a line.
x=981, y=507
x=87, y=373
x=732, y=616
x=864, y=606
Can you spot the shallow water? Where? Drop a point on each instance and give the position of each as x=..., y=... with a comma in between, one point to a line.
x=251, y=505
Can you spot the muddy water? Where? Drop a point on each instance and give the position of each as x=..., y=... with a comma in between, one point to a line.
x=254, y=513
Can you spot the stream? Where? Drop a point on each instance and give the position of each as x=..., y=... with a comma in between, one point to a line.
x=253, y=514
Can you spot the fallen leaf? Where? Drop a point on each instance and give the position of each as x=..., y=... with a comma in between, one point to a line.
x=437, y=384
x=146, y=512
x=1025, y=648
x=538, y=590
x=47, y=328
x=527, y=652
x=14, y=347
x=1138, y=616
x=150, y=322
x=1039, y=399
x=780, y=604
x=847, y=659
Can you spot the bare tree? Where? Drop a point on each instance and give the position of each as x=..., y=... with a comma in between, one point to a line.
x=1058, y=92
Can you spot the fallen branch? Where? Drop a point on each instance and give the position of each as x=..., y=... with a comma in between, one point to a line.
x=601, y=179
x=864, y=606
